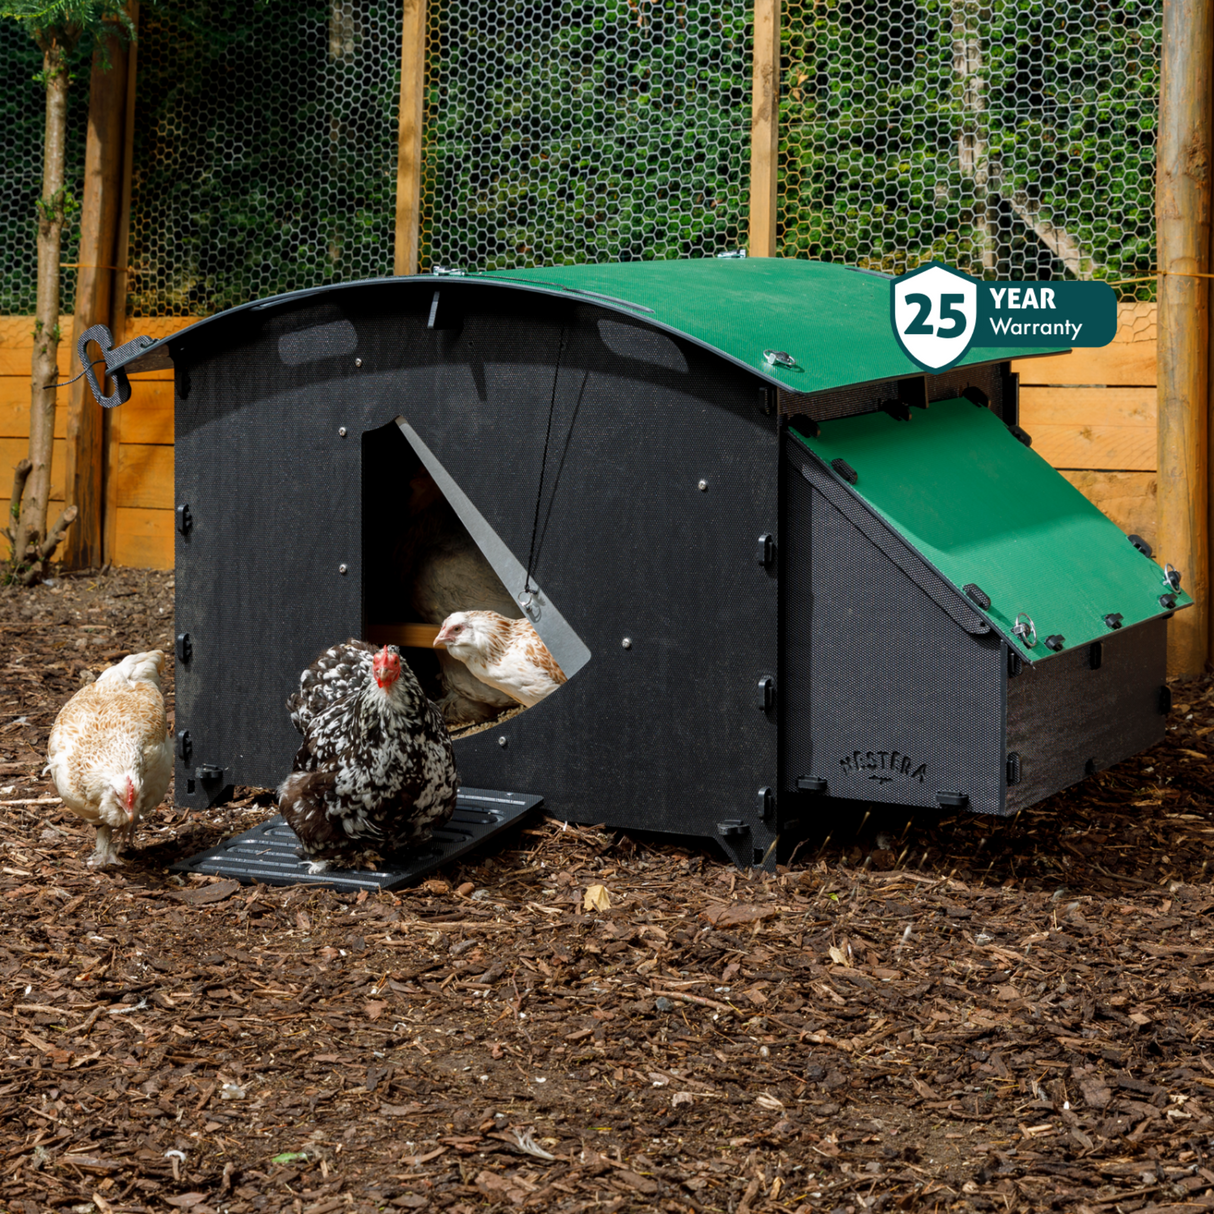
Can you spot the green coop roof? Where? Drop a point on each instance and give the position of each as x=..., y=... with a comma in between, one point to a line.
x=986, y=511
x=834, y=320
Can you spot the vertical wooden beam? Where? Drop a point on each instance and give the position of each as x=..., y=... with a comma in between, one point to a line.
x=1183, y=233
x=765, y=129
x=120, y=286
x=409, y=139
x=103, y=170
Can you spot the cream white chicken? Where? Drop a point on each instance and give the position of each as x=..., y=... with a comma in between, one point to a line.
x=505, y=654
x=109, y=753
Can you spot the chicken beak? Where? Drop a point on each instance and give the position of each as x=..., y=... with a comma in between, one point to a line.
x=440, y=641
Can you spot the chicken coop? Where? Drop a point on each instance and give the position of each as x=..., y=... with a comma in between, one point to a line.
x=780, y=566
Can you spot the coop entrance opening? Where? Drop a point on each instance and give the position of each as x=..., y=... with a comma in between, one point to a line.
x=430, y=555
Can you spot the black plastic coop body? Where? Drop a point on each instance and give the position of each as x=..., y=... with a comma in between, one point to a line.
x=780, y=566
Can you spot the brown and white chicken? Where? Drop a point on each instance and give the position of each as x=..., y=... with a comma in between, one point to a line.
x=446, y=571
x=506, y=654
x=109, y=753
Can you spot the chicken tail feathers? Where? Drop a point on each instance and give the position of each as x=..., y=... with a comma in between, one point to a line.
x=135, y=668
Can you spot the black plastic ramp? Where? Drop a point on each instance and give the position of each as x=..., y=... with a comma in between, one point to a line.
x=270, y=852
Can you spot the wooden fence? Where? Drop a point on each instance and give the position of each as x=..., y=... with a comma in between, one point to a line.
x=1091, y=414
x=138, y=478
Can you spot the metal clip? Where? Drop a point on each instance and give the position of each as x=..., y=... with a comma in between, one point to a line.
x=529, y=602
x=1171, y=577
x=778, y=358
x=105, y=339
x=1025, y=629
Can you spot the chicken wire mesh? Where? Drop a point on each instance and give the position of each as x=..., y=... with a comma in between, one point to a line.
x=22, y=129
x=265, y=150
x=1010, y=138
x=584, y=132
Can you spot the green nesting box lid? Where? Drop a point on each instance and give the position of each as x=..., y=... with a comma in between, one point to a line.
x=832, y=319
x=985, y=511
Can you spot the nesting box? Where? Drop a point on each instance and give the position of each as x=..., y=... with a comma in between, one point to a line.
x=780, y=566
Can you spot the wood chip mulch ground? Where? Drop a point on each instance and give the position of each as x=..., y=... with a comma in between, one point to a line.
x=940, y=1013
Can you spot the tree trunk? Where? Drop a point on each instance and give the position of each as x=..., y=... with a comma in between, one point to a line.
x=99, y=220
x=51, y=215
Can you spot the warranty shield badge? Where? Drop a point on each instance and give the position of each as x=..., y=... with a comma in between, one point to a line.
x=934, y=312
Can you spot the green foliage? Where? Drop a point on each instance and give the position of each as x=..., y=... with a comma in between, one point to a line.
x=67, y=21
x=595, y=130
x=585, y=132
x=265, y=158
x=22, y=128
x=1062, y=104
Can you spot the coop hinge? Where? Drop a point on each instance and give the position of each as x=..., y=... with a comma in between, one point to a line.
x=185, y=520
x=1013, y=768
x=732, y=826
x=766, y=803
x=845, y=470
x=978, y=595
x=208, y=773
x=185, y=647
x=811, y=783
x=767, y=693
x=184, y=745
x=952, y=800
x=767, y=550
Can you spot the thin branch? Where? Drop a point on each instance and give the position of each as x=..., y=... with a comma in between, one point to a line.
x=20, y=476
x=47, y=549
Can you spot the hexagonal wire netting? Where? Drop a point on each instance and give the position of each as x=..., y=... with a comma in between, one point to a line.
x=610, y=130
x=1010, y=138
x=22, y=129
x=1013, y=139
x=265, y=150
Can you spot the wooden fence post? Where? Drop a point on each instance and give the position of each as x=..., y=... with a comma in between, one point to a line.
x=409, y=140
x=765, y=129
x=1183, y=229
x=100, y=205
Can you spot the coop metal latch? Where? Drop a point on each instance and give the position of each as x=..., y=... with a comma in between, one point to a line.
x=113, y=358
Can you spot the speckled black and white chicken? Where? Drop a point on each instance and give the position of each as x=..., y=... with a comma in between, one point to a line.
x=376, y=771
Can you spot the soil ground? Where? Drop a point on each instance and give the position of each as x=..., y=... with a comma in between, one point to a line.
x=940, y=1013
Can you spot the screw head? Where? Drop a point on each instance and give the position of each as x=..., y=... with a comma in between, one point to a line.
x=341, y=432
x=343, y=568
x=627, y=642
x=703, y=486
x=503, y=742
x=358, y=362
